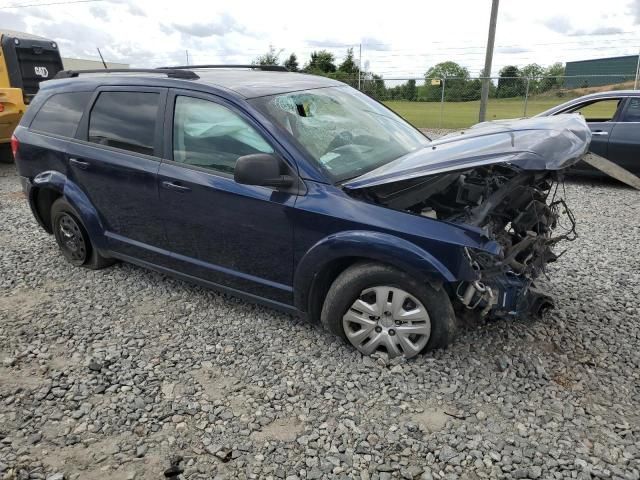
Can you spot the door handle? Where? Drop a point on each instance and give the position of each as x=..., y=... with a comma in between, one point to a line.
x=176, y=187
x=79, y=163
x=599, y=133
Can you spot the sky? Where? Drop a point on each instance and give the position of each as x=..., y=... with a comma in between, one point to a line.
x=398, y=39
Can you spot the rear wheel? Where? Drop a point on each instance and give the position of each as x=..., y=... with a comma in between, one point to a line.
x=378, y=308
x=72, y=237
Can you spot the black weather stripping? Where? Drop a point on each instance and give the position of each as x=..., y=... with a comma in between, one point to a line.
x=264, y=68
x=170, y=72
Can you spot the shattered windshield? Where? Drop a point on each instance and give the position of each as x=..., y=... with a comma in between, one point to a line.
x=345, y=131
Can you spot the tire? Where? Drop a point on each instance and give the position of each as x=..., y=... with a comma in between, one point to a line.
x=72, y=238
x=369, y=323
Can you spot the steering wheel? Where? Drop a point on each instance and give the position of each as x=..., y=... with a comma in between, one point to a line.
x=340, y=140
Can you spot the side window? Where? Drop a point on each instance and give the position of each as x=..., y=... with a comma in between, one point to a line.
x=209, y=135
x=125, y=120
x=599, y=111
x=632, y=113
x=61, y=113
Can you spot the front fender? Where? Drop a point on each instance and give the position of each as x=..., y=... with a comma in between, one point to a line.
x=73, y=194
x=377, y=246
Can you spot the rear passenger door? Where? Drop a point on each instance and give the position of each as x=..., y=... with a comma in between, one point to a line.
x=624, y=140
x=116, y=164
x=601, y=116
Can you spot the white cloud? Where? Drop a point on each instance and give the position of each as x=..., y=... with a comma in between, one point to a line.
x=397, y=40
x=218, y=27
x=634, y=9
x=99, y=12
x=12, y=20
x=136, y=10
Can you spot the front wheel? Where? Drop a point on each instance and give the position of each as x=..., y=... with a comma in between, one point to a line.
x=378, y=308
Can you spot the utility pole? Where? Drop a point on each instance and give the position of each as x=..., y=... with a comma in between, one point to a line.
x=359, y=66
x=187, y=53
x=484, y=97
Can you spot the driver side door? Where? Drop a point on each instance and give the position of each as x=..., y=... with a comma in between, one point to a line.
x=601, y=116
x=234, y=235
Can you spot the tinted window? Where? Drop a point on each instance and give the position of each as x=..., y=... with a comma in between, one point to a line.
x=632, y=113
x=61, y=113
x=125, y=120
x=209, y=135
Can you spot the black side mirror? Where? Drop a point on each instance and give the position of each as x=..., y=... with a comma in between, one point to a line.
x=262, y=169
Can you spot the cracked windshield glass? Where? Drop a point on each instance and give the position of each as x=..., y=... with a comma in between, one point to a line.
x=348, y=133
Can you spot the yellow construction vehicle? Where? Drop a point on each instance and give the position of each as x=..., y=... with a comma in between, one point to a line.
x=25, y=61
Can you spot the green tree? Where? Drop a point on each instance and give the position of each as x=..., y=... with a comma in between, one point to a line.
x=456, y=80
x=533, y=72
x=348, y=65
x=291, y=63
x=404, y=91
x=373, y=85
x=553, y=77
x=511, y=83
x=447, y=69
x=410, y=91
x=396, y=92
x=321, y=62
x=347, y=71
x=269, y=58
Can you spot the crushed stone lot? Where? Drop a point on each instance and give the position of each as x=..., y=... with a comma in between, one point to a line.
x=112, y=373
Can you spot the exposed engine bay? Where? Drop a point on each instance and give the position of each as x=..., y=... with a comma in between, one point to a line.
x=520, y=209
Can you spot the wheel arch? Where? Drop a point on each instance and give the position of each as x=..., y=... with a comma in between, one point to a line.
x=47, y=187
x=329, y=257
x=41, y=200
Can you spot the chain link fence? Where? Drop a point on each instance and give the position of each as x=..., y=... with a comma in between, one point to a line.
x=453, y=102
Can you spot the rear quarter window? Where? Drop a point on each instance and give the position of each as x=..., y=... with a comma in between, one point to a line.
x=61, y=113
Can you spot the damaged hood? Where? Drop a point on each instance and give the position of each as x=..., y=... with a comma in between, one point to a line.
x=544, y=143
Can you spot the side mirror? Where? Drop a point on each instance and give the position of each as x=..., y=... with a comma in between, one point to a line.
x=262, y=169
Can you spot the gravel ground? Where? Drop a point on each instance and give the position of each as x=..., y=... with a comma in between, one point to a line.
x=110, y=374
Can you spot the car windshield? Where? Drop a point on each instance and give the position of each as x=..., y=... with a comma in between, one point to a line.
x=345, y=131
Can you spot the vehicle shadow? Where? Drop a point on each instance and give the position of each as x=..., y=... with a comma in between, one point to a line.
x=595, y=181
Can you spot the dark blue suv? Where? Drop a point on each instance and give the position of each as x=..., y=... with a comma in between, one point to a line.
x=299, y=192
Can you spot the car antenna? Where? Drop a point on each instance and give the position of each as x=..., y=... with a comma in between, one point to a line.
x=102, y=58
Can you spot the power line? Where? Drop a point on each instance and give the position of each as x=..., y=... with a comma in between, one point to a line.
x=7, y=7
x=593, y=44
x=382, y=44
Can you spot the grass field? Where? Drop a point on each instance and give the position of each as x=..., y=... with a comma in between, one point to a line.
x=464, y=114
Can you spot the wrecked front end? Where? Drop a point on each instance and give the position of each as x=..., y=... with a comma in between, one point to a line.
x=528, y=217
x=510, y=192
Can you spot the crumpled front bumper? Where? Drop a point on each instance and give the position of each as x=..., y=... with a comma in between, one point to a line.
x=506, y=295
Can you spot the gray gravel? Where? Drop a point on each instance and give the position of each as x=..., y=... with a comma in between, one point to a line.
x=114, y=373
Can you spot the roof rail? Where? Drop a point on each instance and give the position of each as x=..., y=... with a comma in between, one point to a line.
x=264, y=68
x=170, y=72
